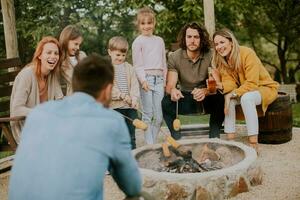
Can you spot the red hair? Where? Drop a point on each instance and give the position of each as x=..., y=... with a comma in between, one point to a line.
x=38, y=51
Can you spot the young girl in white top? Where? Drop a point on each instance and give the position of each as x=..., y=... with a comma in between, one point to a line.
x=70, y=40
x=149, y=60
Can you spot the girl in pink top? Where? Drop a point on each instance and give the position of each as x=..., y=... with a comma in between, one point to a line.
x=149, y=61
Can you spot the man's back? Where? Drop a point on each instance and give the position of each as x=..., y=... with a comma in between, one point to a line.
x=66, y=148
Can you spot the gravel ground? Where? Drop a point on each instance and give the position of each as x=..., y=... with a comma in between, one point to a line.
x=280, y=163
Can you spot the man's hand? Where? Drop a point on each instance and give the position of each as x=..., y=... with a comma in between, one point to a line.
x=145, y=86
x=199, y=93
x=176, y=94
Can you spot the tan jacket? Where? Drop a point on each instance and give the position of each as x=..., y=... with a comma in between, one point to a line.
x=133, y=88
x=25, y=95
x=253, y=76
x=67, y=72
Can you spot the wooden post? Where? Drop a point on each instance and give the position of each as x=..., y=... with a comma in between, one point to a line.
x=9, y=24
x=209, y=16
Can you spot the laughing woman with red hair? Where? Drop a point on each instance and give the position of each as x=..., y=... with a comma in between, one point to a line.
x=37, y=82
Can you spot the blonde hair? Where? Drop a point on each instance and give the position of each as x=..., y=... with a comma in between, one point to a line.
x=234, y=61
x=143, y=13
x=118, y=43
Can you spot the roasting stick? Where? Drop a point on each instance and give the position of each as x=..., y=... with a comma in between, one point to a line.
x=177, y=109
x=127, y=117
x=176, y=122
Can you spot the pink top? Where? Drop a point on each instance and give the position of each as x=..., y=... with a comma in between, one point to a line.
x=148, y=56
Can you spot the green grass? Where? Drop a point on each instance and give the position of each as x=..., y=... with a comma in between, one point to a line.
x=296, y=114
x=5, y=154
x=194, y=119
x=204, y=119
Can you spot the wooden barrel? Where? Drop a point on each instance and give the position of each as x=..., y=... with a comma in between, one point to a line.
x=276, y=126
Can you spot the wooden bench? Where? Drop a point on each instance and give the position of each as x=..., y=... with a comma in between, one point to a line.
x=9, y=68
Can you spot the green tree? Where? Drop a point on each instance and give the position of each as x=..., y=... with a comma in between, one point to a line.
x=273, y=28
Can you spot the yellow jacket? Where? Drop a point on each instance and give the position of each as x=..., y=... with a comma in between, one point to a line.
x=252, y=76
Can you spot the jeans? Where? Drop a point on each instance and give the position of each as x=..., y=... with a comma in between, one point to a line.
x=248, y=101
x=213, y=104
x=151, y=105
x=131, y=113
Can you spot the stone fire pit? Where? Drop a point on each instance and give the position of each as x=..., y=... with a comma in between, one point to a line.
x=239, y=173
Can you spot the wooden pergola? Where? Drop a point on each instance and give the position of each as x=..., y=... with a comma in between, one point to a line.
x=9, y=24
x=10, y=33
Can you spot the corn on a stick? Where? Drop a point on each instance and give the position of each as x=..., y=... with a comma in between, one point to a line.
x=137, y=123
x=176, y=122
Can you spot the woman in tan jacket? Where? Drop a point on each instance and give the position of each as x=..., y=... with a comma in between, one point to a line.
x=243, y=78
x=36, y=83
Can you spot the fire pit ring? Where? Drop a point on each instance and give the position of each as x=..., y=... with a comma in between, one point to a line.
x=216, y=184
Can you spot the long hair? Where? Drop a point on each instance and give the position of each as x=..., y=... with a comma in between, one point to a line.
x=234, y=60
x=70, y=32
x=142, y=13
x=38, y=51
x=205, y=43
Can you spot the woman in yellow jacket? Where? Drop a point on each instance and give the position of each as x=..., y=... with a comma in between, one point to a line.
x=242, y=77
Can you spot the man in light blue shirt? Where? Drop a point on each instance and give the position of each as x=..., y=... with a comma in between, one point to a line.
x=67, y=145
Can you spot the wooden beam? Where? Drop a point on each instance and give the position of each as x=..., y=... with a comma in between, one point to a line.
x=209, y=16
x=9, y=24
